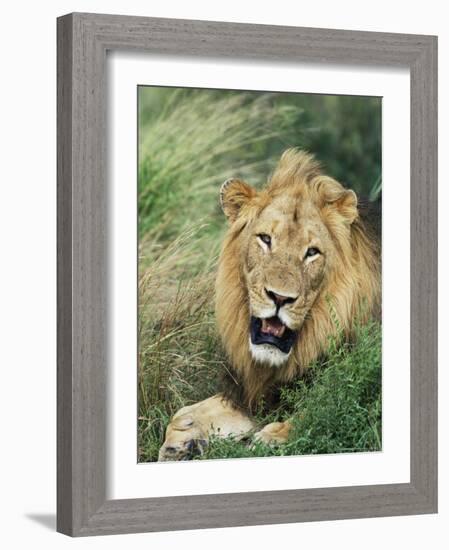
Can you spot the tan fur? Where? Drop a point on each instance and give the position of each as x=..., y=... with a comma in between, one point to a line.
x=275, y=432
x=299, y=207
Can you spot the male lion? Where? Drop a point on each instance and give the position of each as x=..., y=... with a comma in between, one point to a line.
x=297, y=266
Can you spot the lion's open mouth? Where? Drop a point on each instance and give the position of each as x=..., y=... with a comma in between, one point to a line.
x=272, y=331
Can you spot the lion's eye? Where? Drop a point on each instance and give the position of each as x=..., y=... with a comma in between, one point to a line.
x=312, y=251
x=265, y=238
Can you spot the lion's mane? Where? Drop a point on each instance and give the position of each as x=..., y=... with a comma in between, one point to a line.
x=352, y=290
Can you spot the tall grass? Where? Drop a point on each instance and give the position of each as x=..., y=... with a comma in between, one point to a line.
x=197, y=142
x=180, y=358
x=189, y=143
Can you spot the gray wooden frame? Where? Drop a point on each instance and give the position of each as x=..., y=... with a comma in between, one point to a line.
x=83, y=40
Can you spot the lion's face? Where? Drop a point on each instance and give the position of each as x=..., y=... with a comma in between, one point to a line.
x=286, y=236
x=285, y=255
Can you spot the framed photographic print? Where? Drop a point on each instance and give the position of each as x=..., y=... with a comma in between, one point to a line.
x=246, y=274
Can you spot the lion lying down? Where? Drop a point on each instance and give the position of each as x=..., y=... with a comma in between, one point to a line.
x=294, y=253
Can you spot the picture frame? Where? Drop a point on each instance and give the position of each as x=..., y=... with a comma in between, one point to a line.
x=83, y=41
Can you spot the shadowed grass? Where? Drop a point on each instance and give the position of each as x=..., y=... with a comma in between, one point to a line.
x=335, y=409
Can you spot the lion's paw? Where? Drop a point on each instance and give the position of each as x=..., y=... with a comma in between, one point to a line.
x=273, y=434
x=183, y=441
x=182, y=450
x=189, y=431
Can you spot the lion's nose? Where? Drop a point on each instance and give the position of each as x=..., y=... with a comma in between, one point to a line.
x=280, y=299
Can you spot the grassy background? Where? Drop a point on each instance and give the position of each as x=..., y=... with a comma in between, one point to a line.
x=190, y=141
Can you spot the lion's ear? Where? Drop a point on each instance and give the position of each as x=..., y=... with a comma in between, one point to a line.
x=344, y=200
x=347, y=205
x=234, y=194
